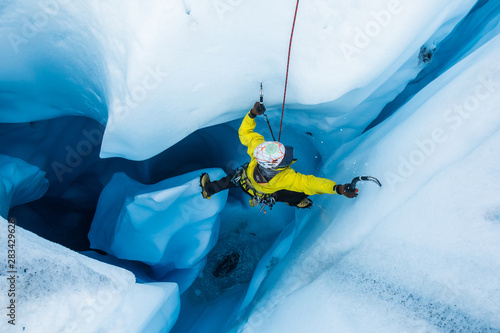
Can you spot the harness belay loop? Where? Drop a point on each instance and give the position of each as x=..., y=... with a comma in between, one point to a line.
x=267, y=200
x=258, y=198
x=238, y=174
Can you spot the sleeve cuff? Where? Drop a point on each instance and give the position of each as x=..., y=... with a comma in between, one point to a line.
x=251, y=115
x=335, y=189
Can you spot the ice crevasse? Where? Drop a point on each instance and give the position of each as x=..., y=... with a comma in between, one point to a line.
x=153, y=73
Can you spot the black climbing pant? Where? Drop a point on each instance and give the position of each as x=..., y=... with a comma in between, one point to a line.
x=290, y=197
x=220, y=185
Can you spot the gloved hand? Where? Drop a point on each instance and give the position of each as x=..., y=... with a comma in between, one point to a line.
x=341, y=189
x=258, y=109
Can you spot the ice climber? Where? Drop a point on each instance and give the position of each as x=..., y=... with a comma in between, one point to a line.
x=269, y=178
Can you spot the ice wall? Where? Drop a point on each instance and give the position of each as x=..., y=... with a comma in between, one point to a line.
x=419, y=254
x=481, y=25
x=20, y=182
x=203, y=61
x=168, y=225
x=52, y=64
x=156, y=71
x=50, y=288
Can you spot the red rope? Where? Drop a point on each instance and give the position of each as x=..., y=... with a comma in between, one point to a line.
x=287, y=67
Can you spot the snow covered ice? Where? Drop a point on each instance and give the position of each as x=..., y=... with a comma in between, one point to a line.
x=59, y=290
x=110, y=111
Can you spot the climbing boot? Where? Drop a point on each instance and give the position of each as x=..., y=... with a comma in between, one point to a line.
x=204, y=180
x=305, y=203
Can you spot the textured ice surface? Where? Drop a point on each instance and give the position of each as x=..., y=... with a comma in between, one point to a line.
x=191, y=64
x=58, y=290
x=418, y=254
x=20, y=182
x=167, y=225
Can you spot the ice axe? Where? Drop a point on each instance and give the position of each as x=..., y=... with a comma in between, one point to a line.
x=351, y=188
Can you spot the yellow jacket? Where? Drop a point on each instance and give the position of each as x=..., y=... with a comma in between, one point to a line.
x=287, y=179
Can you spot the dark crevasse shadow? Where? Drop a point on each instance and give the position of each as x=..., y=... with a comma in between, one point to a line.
x=67, y=149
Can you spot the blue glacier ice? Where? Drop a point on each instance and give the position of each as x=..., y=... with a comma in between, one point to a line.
x=111, y=109
x=167, y=225
x=20, y=183
x=411, y=255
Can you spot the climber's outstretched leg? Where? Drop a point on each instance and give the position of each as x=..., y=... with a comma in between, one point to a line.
x=209, y=188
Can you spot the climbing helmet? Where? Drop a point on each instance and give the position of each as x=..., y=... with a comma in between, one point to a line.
x=269, y=154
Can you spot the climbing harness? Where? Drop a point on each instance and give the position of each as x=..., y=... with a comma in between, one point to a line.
x=236, y=179
x=240, y=179
x=267, y=200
